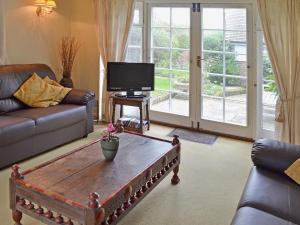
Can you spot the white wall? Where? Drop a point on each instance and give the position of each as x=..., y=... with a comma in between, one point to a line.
x=33, y=39
x=83, y=26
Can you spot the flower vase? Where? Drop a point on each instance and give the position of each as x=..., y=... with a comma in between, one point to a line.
x=110, y=148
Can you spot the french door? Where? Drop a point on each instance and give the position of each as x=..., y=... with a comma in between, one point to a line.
x=203, y=68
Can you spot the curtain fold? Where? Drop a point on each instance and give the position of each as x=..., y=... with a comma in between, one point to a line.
x=114, y=19
x=281, y=26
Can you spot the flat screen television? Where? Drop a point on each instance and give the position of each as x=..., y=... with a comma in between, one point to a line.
x=130, y=77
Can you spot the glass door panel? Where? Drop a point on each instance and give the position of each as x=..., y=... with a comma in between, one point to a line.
x=170, y=51
x=225, y=68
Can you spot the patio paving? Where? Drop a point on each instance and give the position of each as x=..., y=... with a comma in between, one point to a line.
x=235, y=109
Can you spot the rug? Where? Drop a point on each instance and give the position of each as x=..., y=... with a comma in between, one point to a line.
x=194, y=136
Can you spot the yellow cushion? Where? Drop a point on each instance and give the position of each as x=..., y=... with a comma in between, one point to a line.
x=294, y=171
x=36, y=92
x=52, y=82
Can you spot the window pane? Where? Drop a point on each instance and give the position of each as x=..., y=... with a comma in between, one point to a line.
x=236, y=42
x=236, y=65
x=213, y=63
x=215, y=105
x=138, y=14
x=133, y=54
x=181, y=17
x=161, y=16
x=136, y=36
x=212, y=85
x=162, y=79
x=181, y=59
x=179, y=103
x=215, y=20
x=161, y=37
x=236, y=112
x=161, y=58
x=136, y=17
x=181, y=38
x=213, y=40
x=160, y=101
x=236, y=19
x=180, y=81
x=269, y=91
x=236, y=88
x=135, y=40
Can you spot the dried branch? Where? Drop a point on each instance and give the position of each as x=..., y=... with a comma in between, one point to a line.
x=68, y=50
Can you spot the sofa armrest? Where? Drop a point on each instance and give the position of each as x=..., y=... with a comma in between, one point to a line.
x=86, y=98
x=274, y=155
x=79, y=97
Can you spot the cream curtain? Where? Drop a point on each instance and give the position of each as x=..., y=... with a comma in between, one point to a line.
x=281, y=25
x=114, y=18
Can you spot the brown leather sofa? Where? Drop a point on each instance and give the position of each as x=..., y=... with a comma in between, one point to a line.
x=270, y=197
x=26, y=132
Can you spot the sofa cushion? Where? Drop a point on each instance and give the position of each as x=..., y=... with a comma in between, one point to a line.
x=274, y=193
x=251, y=216
x=14, y=129
x=10, y=104
x=54, y=117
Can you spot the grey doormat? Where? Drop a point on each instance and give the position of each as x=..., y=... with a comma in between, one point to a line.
x=194, y=136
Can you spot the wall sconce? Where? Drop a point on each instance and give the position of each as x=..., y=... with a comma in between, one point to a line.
x=45, y=6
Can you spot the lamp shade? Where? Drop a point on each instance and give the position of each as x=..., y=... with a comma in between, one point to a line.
x=40, y=2
x=51, y=4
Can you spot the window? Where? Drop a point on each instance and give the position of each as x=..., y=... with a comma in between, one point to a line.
x=135, y=39
x=269, y=91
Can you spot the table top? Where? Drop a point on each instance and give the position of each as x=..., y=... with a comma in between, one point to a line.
x=142, y=99
x=77, y=174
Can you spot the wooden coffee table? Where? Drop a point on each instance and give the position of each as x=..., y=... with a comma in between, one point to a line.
x=82, y=188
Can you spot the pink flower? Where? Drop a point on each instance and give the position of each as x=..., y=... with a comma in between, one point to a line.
x=111, y=128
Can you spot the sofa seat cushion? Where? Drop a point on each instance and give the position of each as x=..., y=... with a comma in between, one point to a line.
x=252, y=216
x=54, y=117
x=274, y=193
x=14, y=129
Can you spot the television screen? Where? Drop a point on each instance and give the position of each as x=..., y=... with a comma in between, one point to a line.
x=130, y=76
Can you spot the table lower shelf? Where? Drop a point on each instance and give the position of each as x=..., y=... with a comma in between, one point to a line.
x=133, y=124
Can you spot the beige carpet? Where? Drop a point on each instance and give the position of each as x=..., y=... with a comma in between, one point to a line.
x=212, y=179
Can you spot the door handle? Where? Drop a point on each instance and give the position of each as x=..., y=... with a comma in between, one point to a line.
x=199, y=61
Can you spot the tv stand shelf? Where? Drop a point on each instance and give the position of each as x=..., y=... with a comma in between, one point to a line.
x=142, y=103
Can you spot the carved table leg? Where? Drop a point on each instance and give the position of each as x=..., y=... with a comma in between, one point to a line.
x=175, y=179
x=17, y=216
